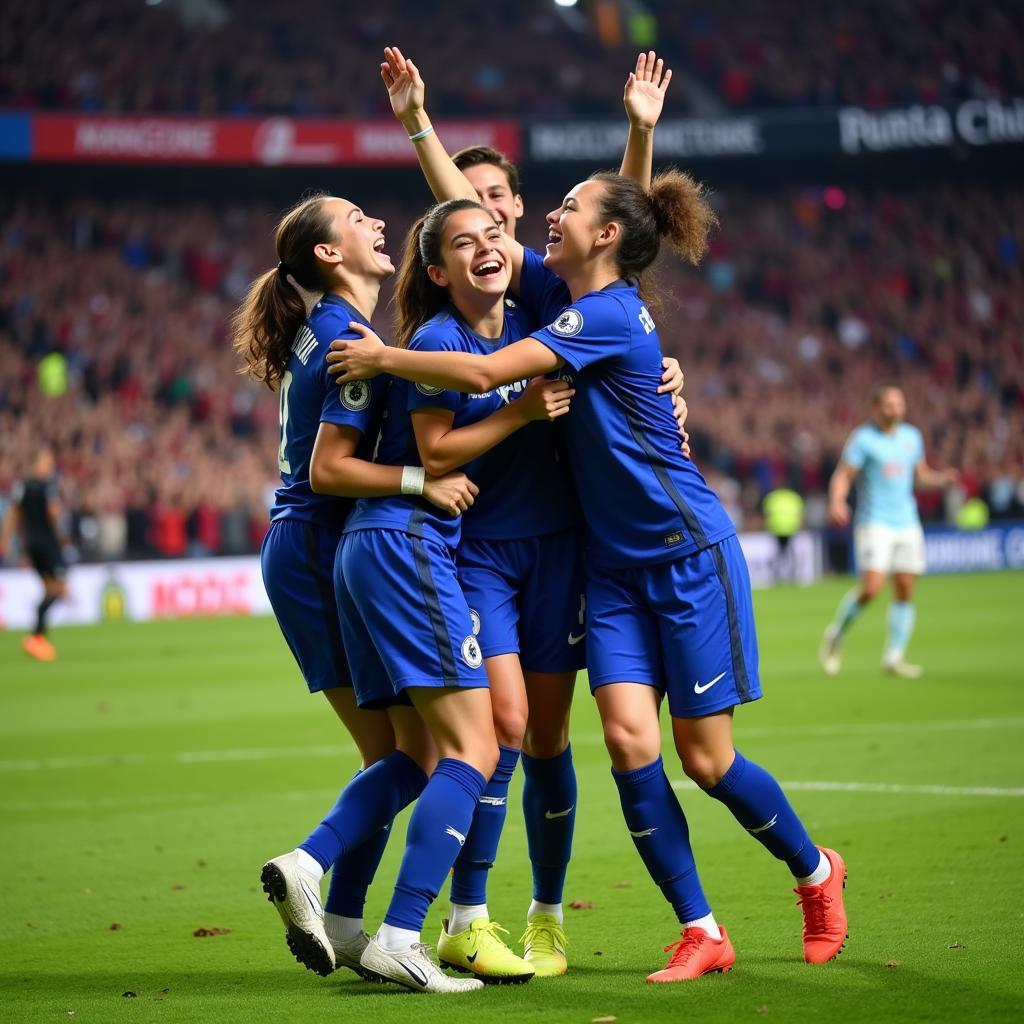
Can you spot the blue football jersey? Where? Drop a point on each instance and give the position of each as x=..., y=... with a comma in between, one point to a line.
x=887, y=464
x=524, y=489
x=643, y=501
x=308, y=396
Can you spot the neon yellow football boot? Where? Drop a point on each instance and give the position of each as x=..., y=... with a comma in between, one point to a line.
x=479, y=950
x=544, y=945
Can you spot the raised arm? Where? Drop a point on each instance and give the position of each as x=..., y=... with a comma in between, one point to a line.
x=406, y=92
x=643, y=99
x=457, y=371
x=334, y=469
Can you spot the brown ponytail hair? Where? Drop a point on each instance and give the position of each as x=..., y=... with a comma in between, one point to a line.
x=417, y=298
x=675, y=207
x=265, y=324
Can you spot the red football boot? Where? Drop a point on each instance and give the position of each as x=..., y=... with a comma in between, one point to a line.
x=824, y=914
x=696, y=953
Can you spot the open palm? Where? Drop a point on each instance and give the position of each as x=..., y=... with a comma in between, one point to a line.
x=644, y=95
x=405, y=86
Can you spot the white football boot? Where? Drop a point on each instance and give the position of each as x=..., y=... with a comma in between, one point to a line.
x=296, y=896
x=830, y=654
x=414, y=969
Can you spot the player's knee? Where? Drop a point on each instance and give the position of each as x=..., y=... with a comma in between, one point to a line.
x=629, y=745
x=703, y=767
x=510, y=726
x=545, y=739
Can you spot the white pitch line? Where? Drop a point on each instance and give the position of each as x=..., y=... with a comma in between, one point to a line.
x=32, y=764
x=896, y=788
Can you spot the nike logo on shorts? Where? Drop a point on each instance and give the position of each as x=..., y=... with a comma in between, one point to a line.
x=574, y=640
x=550, y=815
x=697, y=688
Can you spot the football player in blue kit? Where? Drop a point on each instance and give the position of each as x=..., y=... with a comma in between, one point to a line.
x=519, y=563
x=329, y=248
x=669, y=610
x=407, y=627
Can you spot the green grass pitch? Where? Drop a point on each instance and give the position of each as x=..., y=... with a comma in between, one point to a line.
x=148, y=773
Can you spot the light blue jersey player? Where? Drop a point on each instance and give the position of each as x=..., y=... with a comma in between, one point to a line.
x=329, y=247
x=669, y=609
x=885, y=457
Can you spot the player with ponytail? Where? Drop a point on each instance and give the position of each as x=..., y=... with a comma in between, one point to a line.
x=330, y=263
x=669, y=610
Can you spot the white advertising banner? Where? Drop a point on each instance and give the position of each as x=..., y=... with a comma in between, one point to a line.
x=179, y=588
x=139, y=590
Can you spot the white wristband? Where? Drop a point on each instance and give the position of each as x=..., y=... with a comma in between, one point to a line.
x=421, y=135
x=413, y=478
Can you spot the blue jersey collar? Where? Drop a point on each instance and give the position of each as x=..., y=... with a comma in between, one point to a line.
x=330, y=299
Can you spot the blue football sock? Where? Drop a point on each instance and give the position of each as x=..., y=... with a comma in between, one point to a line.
x=848, y=610
x=368, y=803
x=549, y=810
x=658, y=827
x=352, y=874
x=900, y=627
x=437, y=831
x=469, y=880
x=759, y=805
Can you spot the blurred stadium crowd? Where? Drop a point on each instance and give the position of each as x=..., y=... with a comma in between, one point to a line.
x=520, y=58
x=113, y=342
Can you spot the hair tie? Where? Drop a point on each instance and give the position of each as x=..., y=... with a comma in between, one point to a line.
x=282, y=268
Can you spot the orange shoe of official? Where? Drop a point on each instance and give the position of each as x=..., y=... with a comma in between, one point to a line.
x=37, y=646
x=696, y=953
x=824, y=913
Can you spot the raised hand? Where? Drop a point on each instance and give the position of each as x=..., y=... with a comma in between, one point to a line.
x=355, y=360
x=405, y=86
x=645, y=91
x=452, y=493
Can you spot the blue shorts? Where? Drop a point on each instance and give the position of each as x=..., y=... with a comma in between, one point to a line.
x=528, y=598
x=685, y=627
x=404, y=618
x=297, y=560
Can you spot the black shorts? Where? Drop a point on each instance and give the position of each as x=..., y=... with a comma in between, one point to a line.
x=47, y=559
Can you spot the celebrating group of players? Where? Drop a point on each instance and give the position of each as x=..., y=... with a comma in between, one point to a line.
x=443, y=558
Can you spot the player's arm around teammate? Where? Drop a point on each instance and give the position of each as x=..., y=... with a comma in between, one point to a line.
x=668, y=598
x=330, y=249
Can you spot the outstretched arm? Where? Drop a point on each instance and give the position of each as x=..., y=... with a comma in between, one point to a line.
x=643, y=98
x=457, y=371
x=406, y=92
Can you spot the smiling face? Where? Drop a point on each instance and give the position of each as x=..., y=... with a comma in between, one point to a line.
x=358, y=246
x=474, y=260
x=496, y=195
x=574, y=228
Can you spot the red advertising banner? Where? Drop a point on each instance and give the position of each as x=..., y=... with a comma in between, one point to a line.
x=268, y=142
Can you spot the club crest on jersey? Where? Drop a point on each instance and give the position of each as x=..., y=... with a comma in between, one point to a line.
x=471, y=654
x=427, y=389
x=355, y=395
x=474, y=617
x=569, y=323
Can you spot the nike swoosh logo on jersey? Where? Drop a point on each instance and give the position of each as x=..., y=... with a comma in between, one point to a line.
x=643, y=832
x=574, y=640
x=697, y=688
x=550, y=815
x=763, y=828
x=415, y=975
